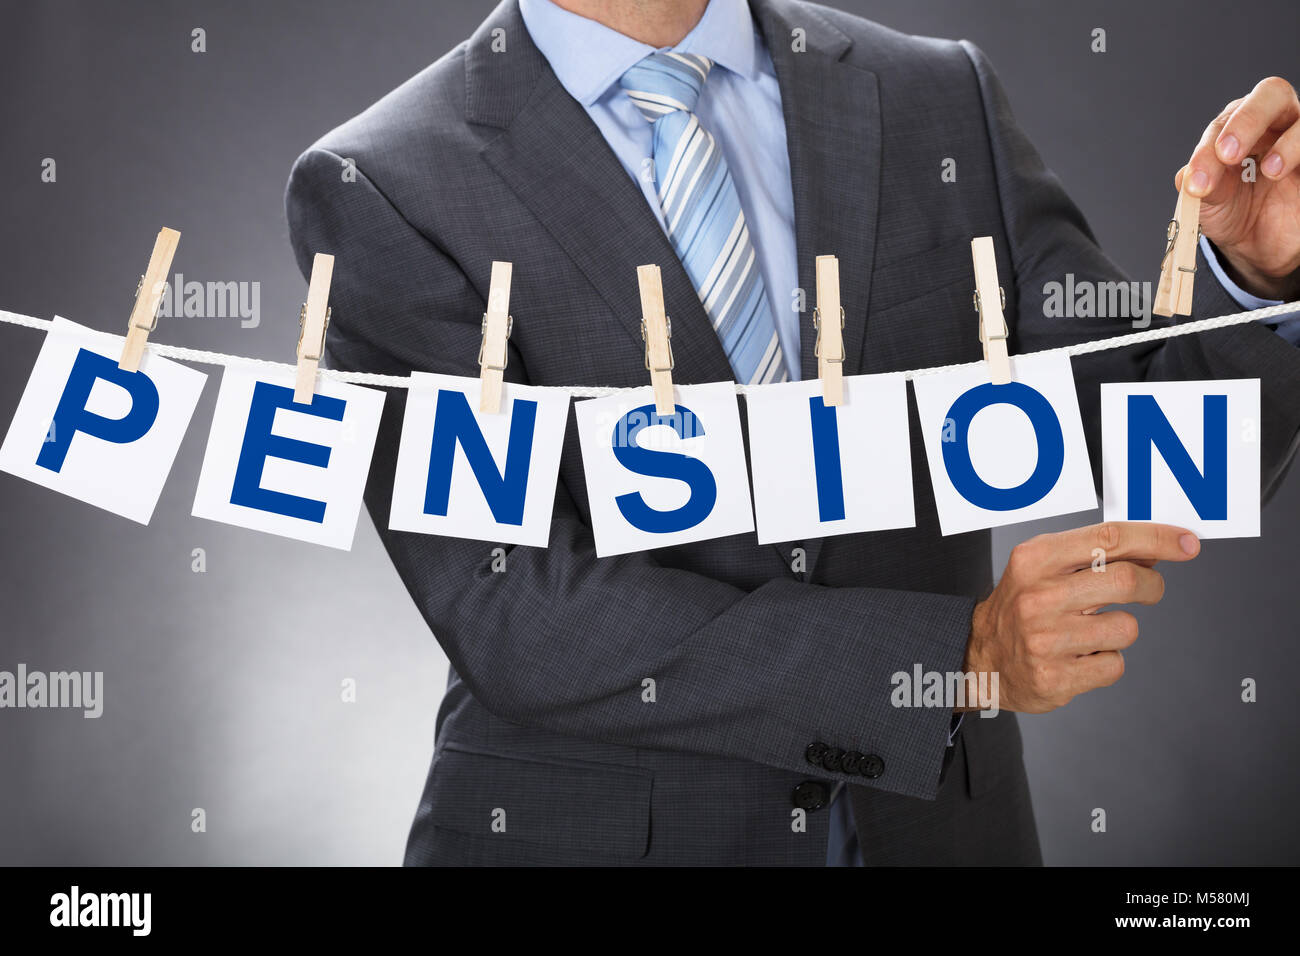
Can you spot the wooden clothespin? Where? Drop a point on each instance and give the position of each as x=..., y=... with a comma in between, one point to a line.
x=1178, y=267
x=829, y=347
x=657, y=331
x=148, y=296
x=990, y=300
x=313, y=320
x=493, y=354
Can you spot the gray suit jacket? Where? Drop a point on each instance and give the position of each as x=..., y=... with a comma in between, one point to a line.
x=484, y=156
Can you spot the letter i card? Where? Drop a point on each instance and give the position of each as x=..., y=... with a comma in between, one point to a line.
x=87, y=429
x=823, y=470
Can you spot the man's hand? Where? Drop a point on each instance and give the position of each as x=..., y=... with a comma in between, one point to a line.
x=1040, y=631
x=1256, y=225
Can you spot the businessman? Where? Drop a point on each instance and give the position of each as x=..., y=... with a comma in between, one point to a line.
x=727, y=702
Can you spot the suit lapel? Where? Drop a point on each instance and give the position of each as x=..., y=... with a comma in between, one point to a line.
x=832, y=121
x=833, y=132
x=556, y=161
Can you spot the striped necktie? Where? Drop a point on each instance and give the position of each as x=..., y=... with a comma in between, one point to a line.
x=702, y=211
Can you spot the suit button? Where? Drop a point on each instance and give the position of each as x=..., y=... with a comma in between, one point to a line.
x=850, y=762
x=810, y=795
x=832, y=758
x=816, y=750
x=871, y=766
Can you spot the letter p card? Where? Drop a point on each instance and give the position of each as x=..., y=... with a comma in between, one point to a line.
x=89, y=430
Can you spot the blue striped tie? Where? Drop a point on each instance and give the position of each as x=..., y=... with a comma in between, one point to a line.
x=702, y=210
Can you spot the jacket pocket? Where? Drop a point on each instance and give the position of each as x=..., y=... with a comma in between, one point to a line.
x=570, y=810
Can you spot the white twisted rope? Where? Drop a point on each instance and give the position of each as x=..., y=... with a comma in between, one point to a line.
x=590, y=391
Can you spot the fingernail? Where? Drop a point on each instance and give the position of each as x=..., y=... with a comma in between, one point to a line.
x=1189, y=544
x=1272, y=164
x=1228, y=147
x=1200, y=182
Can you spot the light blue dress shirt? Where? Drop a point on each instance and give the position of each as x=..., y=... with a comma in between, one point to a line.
x=741, y=106
x=1287, y=326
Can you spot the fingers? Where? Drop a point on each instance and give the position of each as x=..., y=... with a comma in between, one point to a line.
x=1122, y=582
x=1067, y=663
x=1111, y=631
x=1204, y=167
x=1270, y=108
x=1097, y=670
x=1284, y=157
x=1271, y=105
x=1101, y=544
x=1038, y=627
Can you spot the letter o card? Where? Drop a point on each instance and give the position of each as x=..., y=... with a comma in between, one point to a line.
x=1183, y=453
x=473, y=475
x=89, y=430
x=1001, y=454
x=295, y=470
x=656, y=481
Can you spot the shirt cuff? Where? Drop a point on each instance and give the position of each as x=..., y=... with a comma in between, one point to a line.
x=1286, y=325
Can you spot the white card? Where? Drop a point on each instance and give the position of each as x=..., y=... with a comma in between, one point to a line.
x=1183, y=453
x=294, y=470
x=822, y=470
x=487, y=477
x=657, y=482
x=1002, y=454
x=91, y=431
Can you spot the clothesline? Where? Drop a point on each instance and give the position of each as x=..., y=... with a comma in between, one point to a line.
x=586, y=391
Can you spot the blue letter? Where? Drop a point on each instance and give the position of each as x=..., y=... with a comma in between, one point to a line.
x=1047, y=429
x=260, y=444
x=663, y=464
x=71, y=415
x=1147, y=427
x=826, y=460
x=454, y=422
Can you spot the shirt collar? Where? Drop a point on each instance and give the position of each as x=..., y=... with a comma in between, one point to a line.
x=588, y=57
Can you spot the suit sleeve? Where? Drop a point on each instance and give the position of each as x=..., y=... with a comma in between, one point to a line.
x=564, y=641
x=1046, y=237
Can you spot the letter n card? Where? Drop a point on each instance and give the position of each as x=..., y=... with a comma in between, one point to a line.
x=1183, y=453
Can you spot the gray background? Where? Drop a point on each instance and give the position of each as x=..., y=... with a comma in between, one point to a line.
x=223, y=688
